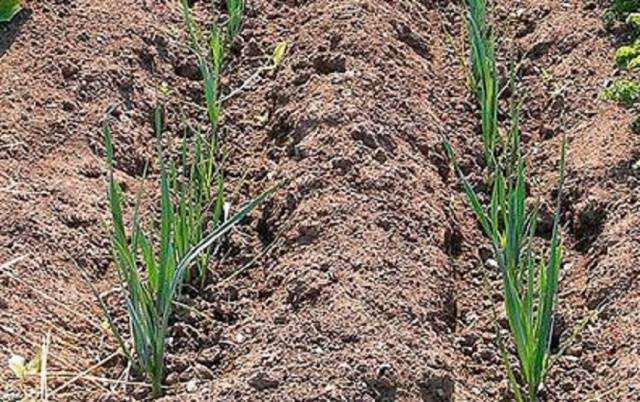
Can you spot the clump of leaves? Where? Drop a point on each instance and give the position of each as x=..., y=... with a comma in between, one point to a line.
x=618, y=10
x=628, y=57
x=624, y=91
x=624, y=7
x=9, y=9
x=633, y=19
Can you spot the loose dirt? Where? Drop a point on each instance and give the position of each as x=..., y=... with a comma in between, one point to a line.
x=374, y=286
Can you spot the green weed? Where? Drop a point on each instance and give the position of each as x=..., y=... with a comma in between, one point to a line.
x=624, y=91
x=618, y=11
x=621, y=8
x=633, y=19
x=628, y=56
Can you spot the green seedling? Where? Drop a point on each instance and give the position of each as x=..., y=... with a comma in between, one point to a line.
x=36, y=367
x=151, y=274
x=9, y=9
x=23, y=369
x=484, y=75
x=623, y=91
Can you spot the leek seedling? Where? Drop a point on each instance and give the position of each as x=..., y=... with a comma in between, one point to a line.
x=529, y=280
x=150, y=291
x=197, y=209
x=210, y=67
x=235, y=8
x=484, y=75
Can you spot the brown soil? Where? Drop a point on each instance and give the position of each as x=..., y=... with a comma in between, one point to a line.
x=375, y=288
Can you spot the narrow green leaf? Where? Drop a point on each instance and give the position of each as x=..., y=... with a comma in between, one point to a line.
x=9, y=9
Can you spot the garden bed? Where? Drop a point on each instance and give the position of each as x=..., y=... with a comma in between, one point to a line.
x=367, y=282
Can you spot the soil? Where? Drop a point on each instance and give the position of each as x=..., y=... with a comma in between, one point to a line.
x=369, y=282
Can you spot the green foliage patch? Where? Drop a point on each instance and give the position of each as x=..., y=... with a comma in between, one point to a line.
x=628, y=57
x=624, y=91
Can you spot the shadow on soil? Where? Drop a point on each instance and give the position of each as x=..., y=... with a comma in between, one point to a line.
x=432, y=389
x=9, y=31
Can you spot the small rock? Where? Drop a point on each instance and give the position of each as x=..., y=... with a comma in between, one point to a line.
x=69, y=70
x=192, y=386
x=171, y=379
x=485, y=252
x=491, y=263
x=365, y=136
x=384, y=369
x=329, y=63
x=68, y=106
x=189, y=70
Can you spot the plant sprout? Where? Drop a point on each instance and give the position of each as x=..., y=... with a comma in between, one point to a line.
x=484, y=75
